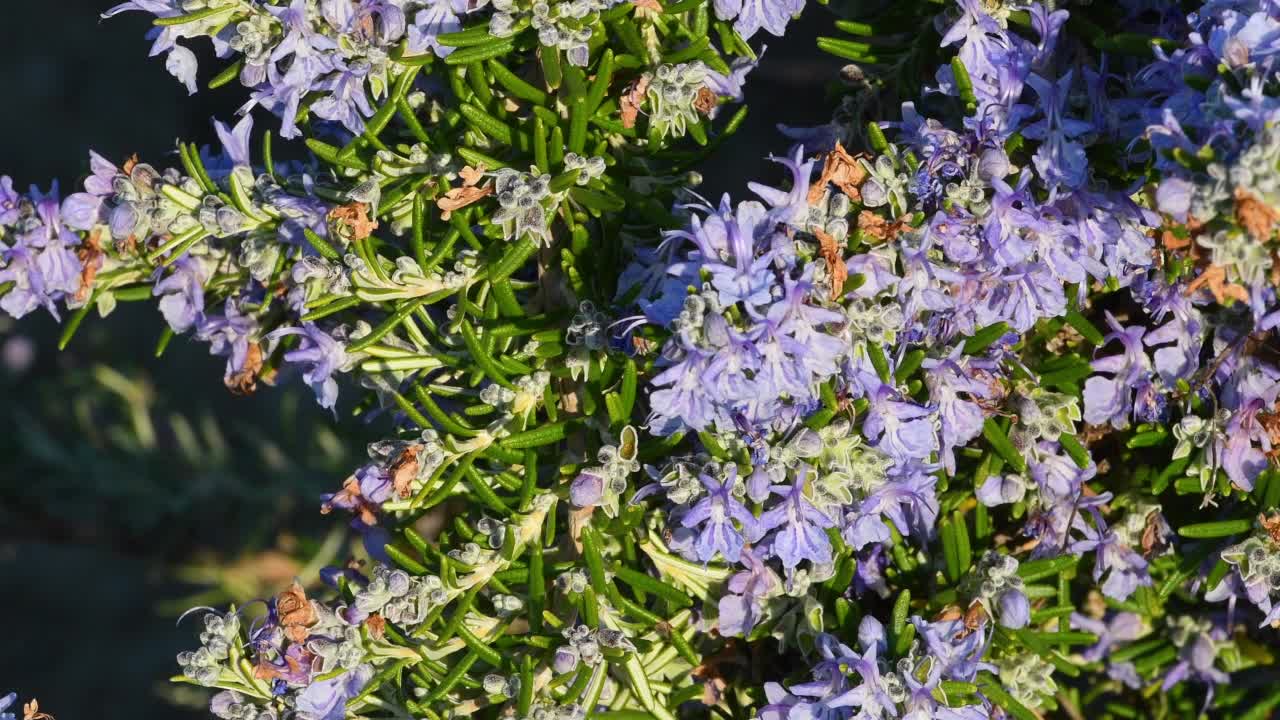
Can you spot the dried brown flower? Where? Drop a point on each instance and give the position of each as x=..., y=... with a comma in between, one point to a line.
x=632, y=99
x=350, y=492
x=90, y=255
x=1254, y=215
x=836, y=268
x=1272, y=525
x=1215, y=278
x=353, y=221
x=293, y=667
x=469, y=193
x=296, y=613
x=377, y=626
x=705, y=101
x=876, y=227
x=245, y=382
x=31, y=711
x=404, y=469
x=1151, y=540
x=842, y=170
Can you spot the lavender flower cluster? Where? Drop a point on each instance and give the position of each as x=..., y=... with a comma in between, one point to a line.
x=971, y=415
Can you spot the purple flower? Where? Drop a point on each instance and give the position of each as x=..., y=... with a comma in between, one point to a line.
x=908, y=498
x=327, y=699
x=1196, y=662
x=749, y=16
x=1125, y=569
x=1110, y=399
x=83, y=210
x=1001, y=490
x=322, y=354
x=841, y=679
x=745, y=277
x=39, y=258
x=229, y=334
x=1059, y=160
x=799, y=526
x=902, y=429
x=742, y=607
x=869, y=574
x=1014, y=609
x=731, y=86
x=235, y=147
x=791, y=206
x=962, y=417
x=679, y=397
x=181, y=293
x=587, y=489
x=347, y=101
x=10, y=202
x=715, y=515
x=1123, y=627
x=957, y=651
x=1242, y=461
x=437, y=18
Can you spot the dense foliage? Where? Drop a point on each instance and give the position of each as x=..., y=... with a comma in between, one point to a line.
x=970, y=412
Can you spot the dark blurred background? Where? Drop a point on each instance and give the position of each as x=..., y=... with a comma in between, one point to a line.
x=133, y=487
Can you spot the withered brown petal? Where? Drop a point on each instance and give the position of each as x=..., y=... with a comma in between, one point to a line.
x=471, y=176
x=245, y=382
x=706, y=100
x=836, y=268
x=354, y=218
x=631, y=100
x=1256, y=216
x=296, y=612
x=842, y=170
x=876, y=227
x=458, y=198
x=404, y=470
x=1215, y=278
x=377, y=626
